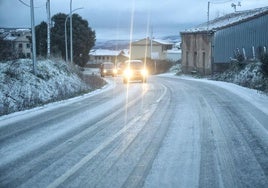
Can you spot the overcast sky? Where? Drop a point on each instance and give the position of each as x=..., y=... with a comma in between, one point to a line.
x=113, y=19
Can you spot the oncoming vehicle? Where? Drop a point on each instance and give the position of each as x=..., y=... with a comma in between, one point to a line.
x=135, y=70
x=108, y=69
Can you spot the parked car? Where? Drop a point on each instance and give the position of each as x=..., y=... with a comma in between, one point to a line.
x=135, y=70
x=108, y=69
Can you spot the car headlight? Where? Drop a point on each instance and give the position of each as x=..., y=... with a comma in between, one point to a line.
x=144, y=72
x=104, y=71
x=115, y=71
x=128, y=73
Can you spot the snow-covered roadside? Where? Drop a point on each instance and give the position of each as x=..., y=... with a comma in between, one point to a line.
x=20, y=89
x=16, y=116
x=255, y=97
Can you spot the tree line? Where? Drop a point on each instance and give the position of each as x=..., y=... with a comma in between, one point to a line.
x=83, y=38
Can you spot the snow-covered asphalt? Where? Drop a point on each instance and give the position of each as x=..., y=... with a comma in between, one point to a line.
x=170, y=132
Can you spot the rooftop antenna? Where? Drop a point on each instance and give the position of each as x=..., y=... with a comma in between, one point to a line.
x=236, y=5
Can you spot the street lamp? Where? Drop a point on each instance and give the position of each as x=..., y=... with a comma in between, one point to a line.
x=65, y=33
x=71, y=32
x=48, y=28
x=33, y=33
x=33, y=37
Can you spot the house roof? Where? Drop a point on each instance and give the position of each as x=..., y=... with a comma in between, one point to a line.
x=229, y=20
x=105, y=52
x=159, y=41
x=162, y=42
x=14, y=34
x=10, y=38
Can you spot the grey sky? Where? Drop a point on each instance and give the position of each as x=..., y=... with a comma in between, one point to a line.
x=111, y=19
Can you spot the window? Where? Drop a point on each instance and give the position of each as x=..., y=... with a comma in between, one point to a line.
x=195, y=59
x=27, y=45
x=20, y=45
x=204, y=62
x=187, y=60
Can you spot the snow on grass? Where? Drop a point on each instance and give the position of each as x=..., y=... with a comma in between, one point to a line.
x=20, y=89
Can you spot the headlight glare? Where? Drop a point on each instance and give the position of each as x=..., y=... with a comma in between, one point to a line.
x=144, y=72
x=128, y=73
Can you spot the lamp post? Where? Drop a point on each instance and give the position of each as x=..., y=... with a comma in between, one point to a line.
x=33, y=34
x=33, y=38
x=208, y=16
x=48, y=28
x=71, y=32
x=66, y=49
x=65, y=33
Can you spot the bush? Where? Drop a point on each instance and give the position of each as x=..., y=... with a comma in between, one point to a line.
x=264, y=65
x=158, y=66
x=239, y=60
x=94, y=81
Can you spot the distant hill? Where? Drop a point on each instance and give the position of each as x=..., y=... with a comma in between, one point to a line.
x=124, y=44
x=173, y=38
x=112, y=44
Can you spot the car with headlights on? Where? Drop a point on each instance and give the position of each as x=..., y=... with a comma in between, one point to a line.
x=108, y=69
x=135, y=70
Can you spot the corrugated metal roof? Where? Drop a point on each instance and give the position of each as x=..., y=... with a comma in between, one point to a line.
x=229, y=20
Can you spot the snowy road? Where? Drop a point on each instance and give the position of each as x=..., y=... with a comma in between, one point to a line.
x=170, y=132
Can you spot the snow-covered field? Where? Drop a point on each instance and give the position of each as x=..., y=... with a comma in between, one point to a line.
x=20, y=89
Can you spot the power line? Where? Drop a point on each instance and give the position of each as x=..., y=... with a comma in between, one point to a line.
x=29, y=5
x=24, y=3
x=221, y=2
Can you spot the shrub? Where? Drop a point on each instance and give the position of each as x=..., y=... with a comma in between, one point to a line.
x=239, y=59
x=264, y=65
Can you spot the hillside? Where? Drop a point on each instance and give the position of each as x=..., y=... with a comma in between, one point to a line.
x=55, y=80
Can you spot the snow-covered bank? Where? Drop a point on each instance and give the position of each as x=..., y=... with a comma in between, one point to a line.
x=255, y=97
x=249, y=75
x=20, y=89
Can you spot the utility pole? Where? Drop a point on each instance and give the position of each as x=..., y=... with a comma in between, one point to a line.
x=153, y=58
x=48, y=28
x=65, y=34
x=208, y=16
x=151, y=43
x=33, y=38
x=71, y=33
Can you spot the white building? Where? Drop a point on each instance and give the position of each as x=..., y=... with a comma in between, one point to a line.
x=99, y=56
x=18, y=40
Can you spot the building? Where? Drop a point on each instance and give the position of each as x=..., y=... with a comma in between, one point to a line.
x=18, y=42
x=146, y=48
x=99, y=56
x=209, y=47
